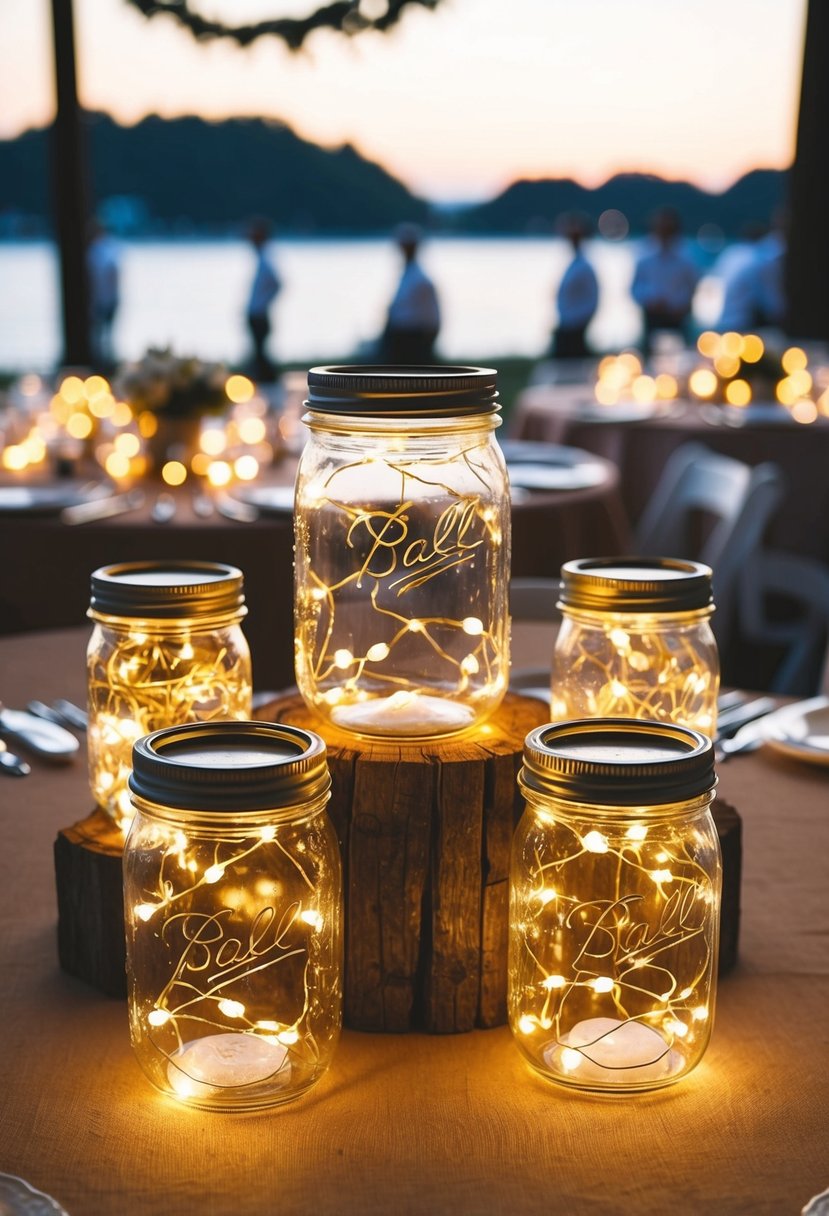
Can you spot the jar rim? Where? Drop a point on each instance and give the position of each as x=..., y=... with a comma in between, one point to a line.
x=216, y=767
x=163, y=589
x=365, y=390
x=619, y=762
x=635, y=584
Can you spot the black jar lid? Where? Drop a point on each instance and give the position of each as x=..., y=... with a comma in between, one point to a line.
x=400, y=391
x=618, y=762
x=635, y=584
x=229, y=766
x=159, y=589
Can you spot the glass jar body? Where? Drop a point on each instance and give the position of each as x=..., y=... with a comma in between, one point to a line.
x=234, y=952
x=144, y=674
x=402, y=571
x=614, y=934
x=639, y=665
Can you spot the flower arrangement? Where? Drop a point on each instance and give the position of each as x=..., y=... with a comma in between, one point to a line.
x=178, y=387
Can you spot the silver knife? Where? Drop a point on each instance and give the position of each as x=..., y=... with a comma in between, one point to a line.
x=44, y=738
x=731, y=719
x=751, y=736
x=102, y=508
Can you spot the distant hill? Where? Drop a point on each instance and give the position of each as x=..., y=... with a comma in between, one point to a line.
x=187, y=174
x=532, y=206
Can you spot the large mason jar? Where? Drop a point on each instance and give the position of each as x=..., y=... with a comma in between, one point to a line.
x=615, y=887
x=402, y=550
x=233, y=909
x=167, y=647
x=636, y=641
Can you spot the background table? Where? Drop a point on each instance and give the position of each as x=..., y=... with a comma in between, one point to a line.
x=45, y=567
x=412, y=1124
x=641, y=448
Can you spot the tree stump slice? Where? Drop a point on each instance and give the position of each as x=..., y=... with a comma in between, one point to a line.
x=90, y=886
x=729, y=827
x=425, y=831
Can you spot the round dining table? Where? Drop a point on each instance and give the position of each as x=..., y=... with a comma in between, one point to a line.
x=639, y=439
x=413, y=1123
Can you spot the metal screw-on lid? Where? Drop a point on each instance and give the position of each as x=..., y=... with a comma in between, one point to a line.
x=635, y=584
x=408, y=392
x=167, y=589
x=229, y=766
x=618, y=762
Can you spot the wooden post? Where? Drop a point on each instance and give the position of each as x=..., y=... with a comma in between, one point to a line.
x=69, y=190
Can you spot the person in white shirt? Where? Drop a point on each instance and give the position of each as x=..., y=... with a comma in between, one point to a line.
x=413, y=320
x=577, y=297
x=264, y=289
x=665, y=280
x=754, y=296
x=103, y=268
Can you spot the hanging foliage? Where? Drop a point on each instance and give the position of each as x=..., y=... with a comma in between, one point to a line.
x=346, y=16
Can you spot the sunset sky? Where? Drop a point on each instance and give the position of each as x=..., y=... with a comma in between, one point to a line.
x=461, y=101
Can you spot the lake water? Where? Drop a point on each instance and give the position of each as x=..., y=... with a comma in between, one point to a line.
x=496, y=296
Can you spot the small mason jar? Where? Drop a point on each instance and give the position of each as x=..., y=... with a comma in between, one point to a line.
x=233, y=909
x=402, y=551
x=636, y=642
x=167, y=647
x=615, y=887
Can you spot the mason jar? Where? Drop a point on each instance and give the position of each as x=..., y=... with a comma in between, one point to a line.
x=615, y=888
x=166, y=647
x=636, y=641
x=233, y=909
x=402, y=551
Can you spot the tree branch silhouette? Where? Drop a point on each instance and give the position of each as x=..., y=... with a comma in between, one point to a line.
x=343, y=16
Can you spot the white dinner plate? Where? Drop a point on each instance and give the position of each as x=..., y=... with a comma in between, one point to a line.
x=45, y=500
x=556, y=476
x=18, y=1198
x=269, y=500
x=625, y=411
x=534, y=465
x=804, y=732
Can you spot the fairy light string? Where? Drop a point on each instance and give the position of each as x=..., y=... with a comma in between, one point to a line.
x=220, y=933
x=619, y=953
x=646, y=671
x=145, y=678
x=400, y=549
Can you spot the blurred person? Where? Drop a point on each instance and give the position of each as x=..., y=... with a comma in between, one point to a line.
x=754, y=294
x=413, y=320
x=665, y=279
x=577, y=297
x=103, y=268
x=264, y=289
x=734, y=269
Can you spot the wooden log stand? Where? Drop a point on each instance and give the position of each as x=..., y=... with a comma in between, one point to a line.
x=425, y=834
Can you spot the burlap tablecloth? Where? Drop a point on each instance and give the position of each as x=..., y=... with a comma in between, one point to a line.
x=413, y=1124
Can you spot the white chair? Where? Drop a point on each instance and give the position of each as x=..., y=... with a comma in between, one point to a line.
x=713, y=509
x=784, y=604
